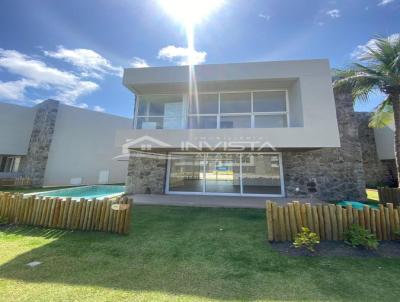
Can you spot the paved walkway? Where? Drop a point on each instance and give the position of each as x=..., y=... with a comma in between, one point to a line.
x=212, y=201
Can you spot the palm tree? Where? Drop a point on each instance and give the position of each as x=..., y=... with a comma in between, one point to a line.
x=379, y=69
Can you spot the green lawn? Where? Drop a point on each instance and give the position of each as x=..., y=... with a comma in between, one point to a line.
x=182, y=254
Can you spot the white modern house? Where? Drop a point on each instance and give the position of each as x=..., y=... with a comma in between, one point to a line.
x=60, y=145
x=271, y=129
x=247, y=129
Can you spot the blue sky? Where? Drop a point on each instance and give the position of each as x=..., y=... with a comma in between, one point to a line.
x=75, y=50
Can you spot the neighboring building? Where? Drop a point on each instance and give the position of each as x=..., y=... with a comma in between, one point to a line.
x=253, y=129
x=377, y=147
x=58, y=145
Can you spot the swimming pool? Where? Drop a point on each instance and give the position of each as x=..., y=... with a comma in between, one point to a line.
x=88, y=192
x=356, y=204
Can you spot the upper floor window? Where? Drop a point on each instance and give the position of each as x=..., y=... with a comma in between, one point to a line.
x=159, y=112
x=203, y=111
x=258, y=109
x=252, y=109
x=269, y=109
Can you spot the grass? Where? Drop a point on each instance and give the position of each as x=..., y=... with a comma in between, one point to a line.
x=182, y=254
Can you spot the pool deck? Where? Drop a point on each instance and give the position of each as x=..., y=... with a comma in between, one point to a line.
x=213, y=201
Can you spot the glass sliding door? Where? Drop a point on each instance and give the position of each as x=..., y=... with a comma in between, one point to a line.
x=261, y=174
x=226, y=173
x=222, y=173
x=186, y=173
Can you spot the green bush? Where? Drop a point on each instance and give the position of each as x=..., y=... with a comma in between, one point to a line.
x=306, y=239
x=357, y=236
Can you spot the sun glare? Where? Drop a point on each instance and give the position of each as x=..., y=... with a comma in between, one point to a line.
x=190, y=12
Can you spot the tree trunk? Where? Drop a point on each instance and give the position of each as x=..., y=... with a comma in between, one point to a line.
x=396, y=111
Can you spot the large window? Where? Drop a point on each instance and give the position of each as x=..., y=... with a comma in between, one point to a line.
x=160, y=112
x=186, y=173
x=269, y=109
x=258, y=109
x=253, y=109
x=9, y=163
x=203, y=111
x=225, y=173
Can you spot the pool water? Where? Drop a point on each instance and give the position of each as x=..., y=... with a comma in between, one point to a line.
x=88, y=192
x=356, y=204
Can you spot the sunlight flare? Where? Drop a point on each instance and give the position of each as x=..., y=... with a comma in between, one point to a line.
x=190, y=11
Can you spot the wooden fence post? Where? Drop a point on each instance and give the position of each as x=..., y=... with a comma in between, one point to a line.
x=270, y=230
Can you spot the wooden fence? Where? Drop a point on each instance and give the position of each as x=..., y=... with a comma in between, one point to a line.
x=15, y=182
x=329, y=221
x=391, y=195
x=85, y=215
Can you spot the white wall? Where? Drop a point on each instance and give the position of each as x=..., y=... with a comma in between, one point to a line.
x=384, y=139
x=312, y=105
x=83, y=145
x=295, y=105
x=16, y=123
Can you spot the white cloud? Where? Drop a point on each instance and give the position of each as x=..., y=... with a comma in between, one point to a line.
x=20, y=64
x=333, y=13
x=98, y=108
x=360, y=50
x=81, y=105
x=15, y=90
x=81, y=88
x=264, y=16
x=66, y=86
x=139, y=63
x=88, y=61
x=182, y=55
x=385, y=2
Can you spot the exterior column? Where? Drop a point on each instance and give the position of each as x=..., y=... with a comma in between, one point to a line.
x=145, y=175
x=34, y=165
x=335, y=173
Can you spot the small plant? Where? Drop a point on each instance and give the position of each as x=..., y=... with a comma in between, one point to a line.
x=306, y=239
x=357, y=236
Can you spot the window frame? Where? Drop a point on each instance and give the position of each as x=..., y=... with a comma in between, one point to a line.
x=241, y=155
x=137, y=100
x=186, y=108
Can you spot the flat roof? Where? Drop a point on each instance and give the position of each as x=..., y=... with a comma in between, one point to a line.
x=142, y=80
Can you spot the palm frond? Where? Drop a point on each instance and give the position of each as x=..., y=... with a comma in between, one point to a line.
x=383, y=114
x=360, y=83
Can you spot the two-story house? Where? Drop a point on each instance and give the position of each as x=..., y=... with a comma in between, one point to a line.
x=248, y=129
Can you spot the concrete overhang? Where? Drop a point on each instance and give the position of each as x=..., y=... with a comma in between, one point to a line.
x=213, y=77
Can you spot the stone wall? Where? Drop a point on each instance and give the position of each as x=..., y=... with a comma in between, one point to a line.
x=336, y=173
x=34, y=164
x=377, y=172
x=145, y=175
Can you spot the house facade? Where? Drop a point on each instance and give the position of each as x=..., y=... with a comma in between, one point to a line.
x=59, y=145
x=246, y=129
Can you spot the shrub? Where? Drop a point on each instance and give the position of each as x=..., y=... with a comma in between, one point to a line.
x=357, y=236
x=306, y=239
